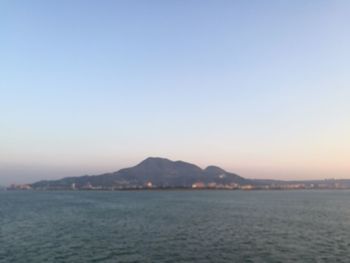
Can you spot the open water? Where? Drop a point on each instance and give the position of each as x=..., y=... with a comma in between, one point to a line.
x=175, y=226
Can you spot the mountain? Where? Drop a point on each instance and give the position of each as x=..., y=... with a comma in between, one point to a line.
x=153, y=171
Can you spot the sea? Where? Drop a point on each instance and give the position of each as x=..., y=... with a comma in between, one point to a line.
x=175, y=226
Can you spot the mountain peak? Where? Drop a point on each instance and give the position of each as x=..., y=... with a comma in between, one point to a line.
x=154, y=161
x=157, y=171
x=214, y=170
x=161, y=163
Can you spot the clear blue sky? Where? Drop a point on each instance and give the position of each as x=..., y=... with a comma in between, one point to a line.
x=261, y=88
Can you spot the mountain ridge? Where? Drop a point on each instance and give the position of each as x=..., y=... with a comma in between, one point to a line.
x=151, y=172
x=162, y=173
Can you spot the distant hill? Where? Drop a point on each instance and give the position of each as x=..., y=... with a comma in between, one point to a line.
x=157, y=172
x=153, y=171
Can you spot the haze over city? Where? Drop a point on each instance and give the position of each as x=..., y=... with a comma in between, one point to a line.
x=260, y=88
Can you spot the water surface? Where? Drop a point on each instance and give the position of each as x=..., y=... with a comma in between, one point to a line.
x=175, y=226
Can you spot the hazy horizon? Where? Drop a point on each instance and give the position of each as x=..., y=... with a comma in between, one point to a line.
x=260, y=89
x=47, y=173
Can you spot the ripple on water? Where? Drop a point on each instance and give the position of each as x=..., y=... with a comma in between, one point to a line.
x=175, y=226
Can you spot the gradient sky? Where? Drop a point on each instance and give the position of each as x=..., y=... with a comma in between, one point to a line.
x=261, y=88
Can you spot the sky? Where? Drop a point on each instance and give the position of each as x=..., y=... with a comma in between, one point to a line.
x=260, y=88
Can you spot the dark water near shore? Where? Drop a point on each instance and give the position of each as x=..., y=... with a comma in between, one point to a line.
x=175, y=226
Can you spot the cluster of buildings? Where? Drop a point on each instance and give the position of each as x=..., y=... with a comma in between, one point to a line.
x=324, y=185
x=19, y=187
x=121, y=186
x=213, y=185
x=125, y=185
